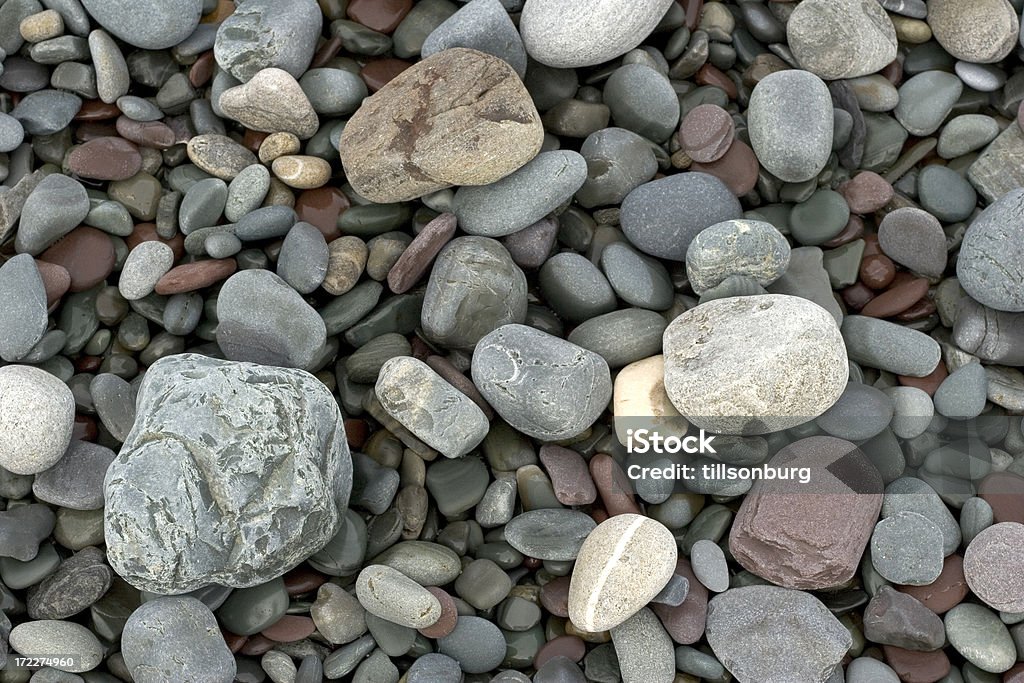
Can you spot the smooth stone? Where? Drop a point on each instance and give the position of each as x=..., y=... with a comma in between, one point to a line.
x=474, y=288
x=434, y=668
x=77, y=583
x=642, y=100
x=709, y=565
x=945, y=194
x=105, y=158
x=575, y=288
x=926, y=99
x=861, y=412
x=419, y=23
x=790, y=124
x=457, y=484
x=202, y=205
x=219, y=155
x=644, y=649
x=52, y=637
x=549, y=534
x=807, y=278
x=963, y=393
x=980, y=637
x=333, y=92
x=757, y=632
x=56, y=206
x=266, y=34
x=31, y=446
x=663, y=216
x=248, y=611
x=521, y=198
x=431, y=408
x=541, y=385
x=965, y=134
x=622, y=564
x=146, y=264
x=475, y=643
x=982, y=32
x=200, y=652
x=303, y=259
x=11, y=133
x=482, y=25
x=390, y=595
x=887, y=346
x=151, y=26
x=271, y=101
x=574, y=35
x=912, y=411
x=23, y=319
x=618, y=161
x=992, y=567
x=820, y=218
x=621, y=337
x=845, y=39
x=874, y=93
x=45, y=112
x=428, y=564
x=736, y=247
x=710, y=346
x=449, y=144
x=483, y=584
x=637, y=279
x=914, y=238
x=76, y=481
x=991, y=262
x=337, y=614
x=906, y=548
x=114, y=401
x=706, y=133
x=180, y=557
x=910, y=494
x=291, y=337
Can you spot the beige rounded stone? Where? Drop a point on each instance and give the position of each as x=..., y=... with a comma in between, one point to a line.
x=347, y=260
x=271, y=102
x=42, y=26
x=278, y=145
x=279, y=194
x=301, y=171
x=913, y=31
x=980, y=31
x=639, y=400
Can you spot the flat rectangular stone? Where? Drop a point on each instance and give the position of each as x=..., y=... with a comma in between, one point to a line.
x=1000, y=168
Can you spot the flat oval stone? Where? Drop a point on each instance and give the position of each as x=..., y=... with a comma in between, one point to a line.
x=736, y=247
x=51, y=637
x=482, y=25
x=304, y=258
x=76, y=481
x=541, y=385
x=790, y=123
x=46, y=112
x=521, y=198
x=713, y=351
x=105, y=158
x=474, y=288
x=475, y=643
x=965, y=134
x=643, y=648
x=926, y=100
x=575, y=288
x=914, y=238
x=189, y=277
x=56, y=206
x=391, y=595
x=663, y=216
x=809, y=536
x=623, y=563
x=78, y=582
x=642, y=100
x=150, y=26
x=618, y=161
x=271, y=101
x=145, y=265
x=991, y=262
x=945, y=193
x=219, y=155
x=445, y=143
x=549, y=534
x=980, y=637
x=887, y=346
x=621, y=337
x=291, y=337
x=31, y=446
x=200, y=649
x=572, y=35
x=992, y=566
x=861, y=412
x=637, y=279
x=23, y=318
x=844, y=39
x=86, y=253
x=706, y=133
x=428, y=564
x=906, y=548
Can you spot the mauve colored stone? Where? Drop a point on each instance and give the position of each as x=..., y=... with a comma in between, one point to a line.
x=449, y=615
x=289, y=629
x=415, y=261
x=570, y=647
x=809, y=536
x=320, y=208
x=613, y=485
x=570, y=477
x=105, y=159
x=994, y=566
x=153, y=134
x=1004, y=491
x=56, y=281
x=917, y=667
x=895, y=300
x=877, y=271
x=866, y=192
x=192, y=276
x=380, y=15
x=86, y=253
x=302, y=579
x=737, y=168
x=685, y=622
x=945, y=592
x=706, y=133
x=554, y=596
x=930, y=382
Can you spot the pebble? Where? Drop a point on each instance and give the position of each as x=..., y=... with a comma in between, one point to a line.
x=52, y=637
x=114, y=401
x=965, y=134
x=483, y=584
x=389, y=594
x=23, y=320
x=468, y=149
x=717, y=343
x=860, y=413
x=266, y=34
x=623, y=563
x=105, y=158
x=980, y=637
x=337, y=614
x=906, y=548
x=706, y=133
x=945, y=194
x=271, y=101
x=663, y=216
x=76, y=480
x=790, y=124
x=915, y=239
x=475, y=643
x=346, y=260
x=22, y=529
x=31, y=446
x=895, y=618
x=621, y=337
x=757, y=631
x=926, y=99
x=290, y=338
x=302, y=172
x=146, y=264
x=991, y=265
x=151, y=558
x=888, y=346
x=710, y=566
x=962, y=394
x=569, y=36
x=482, y=25
x=541, y=385
x=642, y=100
x=736, y=247
x=637, y=279
x=199, y=652
x=11, y=133
x=304, y=257
x=56, y=207
x=982, y=32
x=434, y=668
x=549, y=534
x=644, y=650
x=910, y=494
x=77, y=583
x=618, y=161
x=991, y=566
x=845, y=39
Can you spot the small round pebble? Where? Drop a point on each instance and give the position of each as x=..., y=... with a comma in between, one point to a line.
x=37, y=413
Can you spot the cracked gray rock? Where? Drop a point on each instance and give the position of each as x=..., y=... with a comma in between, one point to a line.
x=233, y=474
x=991, y=261
x=268, y=33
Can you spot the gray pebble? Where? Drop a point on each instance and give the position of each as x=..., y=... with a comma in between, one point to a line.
x=909, y=494
x=57, y=638
x=202, y=204
x=391, y=595
x=887, y=346
x=709, y=565
x=643, y=101
x=482, y=25
x=199, y=652
x=114, y=401
x=945, y=194
x=870, y=670
x=76, y=481
x=643, y=648
x=246, y=191
x=912, y=411
x=23, y=317
x=138, y=108
x=975, y=516
x=906, y=548
x=980, y=637
x=637, y=279
x=844, y=39
x=926, y=100
x=574, y=287
x=476, y=644
x=112, y=78
x=963, y=393
x=989, y=334
x=45, y=112
x=991, y=262
x=11, y=133
x=914, y=238
x=434, y=668
x=183, y=313
x=860, y=413
x=736, y=247
x=302, y=262
x=152, y=25
x=333, y=92
x=618, y=161
x=57, y=206
x=965, y=134
x=146, y=264
x=621, y=337
x=549, y=534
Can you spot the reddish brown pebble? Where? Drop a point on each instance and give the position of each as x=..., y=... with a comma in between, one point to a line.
x=685, y=622
x=613, y=485
x=917, y=667
x=86, y=253
x=531, y=246
x=945, y=592
x=56, y=281
x=380, y=15
x=692, y=10
x=253, y=139
x=896, y=299
x=922, y=309
x=532, y=563
x=320, y=208
x=326, y=52
x=738, y=168
x=146, y=232
x=202, y=69
x=1004, y=491
x=929, y=383
x=93, y=130
x=193, y=276
x=356, y=432
x=1015, y=675
x=289, y=629
x=570, y=477
x=570, y=647
x=105, y=159
x=258, y=645
x=95, y=110
x=234, y=641
x=421, y=350
x=877, y=271
x=416, y=259
x=378, y=72
x=893, y=72
x=857, y=296
x=451, y=374
x=854, y=230
x=88, y=363
x=84, y=429
x=598, y=515
x=303, y=579
x=866, y=192
x=712, y=75
x=449, y=615
x=146, y=133
x=706, y=133
x=554, y=596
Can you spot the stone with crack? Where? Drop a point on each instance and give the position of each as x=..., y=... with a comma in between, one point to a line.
x=459, y=117
x=265, y=33
x=233, y=474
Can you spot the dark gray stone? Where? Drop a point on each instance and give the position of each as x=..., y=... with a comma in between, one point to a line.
x=57, y=206
x=304, y=256
x=46, y=112
x=643, y=101
x=77, y=583
x=637, y=279
x=482, y=25
x=476, y=644
x=23, y=316
x=575, y=288
x=887, y=346
x=267, y=33
x=618, y=161
x=76, y=481
x=549, y=534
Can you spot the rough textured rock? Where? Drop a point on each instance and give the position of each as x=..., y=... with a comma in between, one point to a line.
x=836, y=39
x=271, y=101
x=218, y=482
x=416, y=135
x=980, y=31
x=542, y=385
x=738, y=247
x=991, y=262
x=267, y=33
x=791, y=344
x=809, y=536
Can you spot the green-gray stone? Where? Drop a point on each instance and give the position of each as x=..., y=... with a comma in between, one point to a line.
x=17, y=574
x=820, y=218
x=428, y=564
x=843, y=263
x=343, y=555
x=109, y=613
x=517, y=614
x=346, y=310
x=977, y=633
x=621, y=337
x=457, y=484
x=370, y=220
x=78, y=319
x=250, y=610
x=393, y=639
x=522, y=646
x=400, y=314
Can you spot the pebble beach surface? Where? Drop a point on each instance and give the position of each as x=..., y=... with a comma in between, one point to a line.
x=328, y=329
